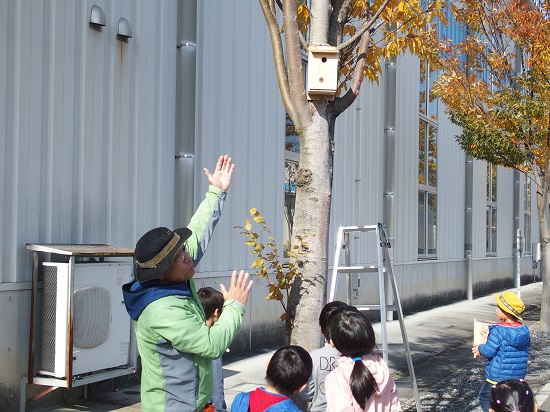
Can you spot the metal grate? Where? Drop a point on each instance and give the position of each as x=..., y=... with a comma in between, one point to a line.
x=92, y=316
x=49, y=307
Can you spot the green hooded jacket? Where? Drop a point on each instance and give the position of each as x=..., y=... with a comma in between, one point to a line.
x=175, y=345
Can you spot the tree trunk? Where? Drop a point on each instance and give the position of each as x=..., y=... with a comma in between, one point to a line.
x=312, y=215
x=542, y=206
x=544, y=309
x=545, y=246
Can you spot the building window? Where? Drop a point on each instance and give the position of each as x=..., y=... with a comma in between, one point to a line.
x=427, y=166
x=292, y=158
x=527, y=215
x=427, y=102
x=491, y=247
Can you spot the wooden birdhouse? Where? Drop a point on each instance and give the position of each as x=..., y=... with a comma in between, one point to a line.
x=322, y=72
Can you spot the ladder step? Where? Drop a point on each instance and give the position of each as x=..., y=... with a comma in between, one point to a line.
x=357, y=269
x=347, y=229
x=388, y=308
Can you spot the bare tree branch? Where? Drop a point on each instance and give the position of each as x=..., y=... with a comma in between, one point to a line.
x=303, y=41
x=337, y=20
x=278, y=55
x=358, y=75
x=296, y=77
x=365, y=27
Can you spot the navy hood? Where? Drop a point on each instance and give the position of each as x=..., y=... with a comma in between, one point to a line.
x=138, y=295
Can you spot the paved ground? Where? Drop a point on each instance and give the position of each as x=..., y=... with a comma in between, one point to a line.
x=440, y=339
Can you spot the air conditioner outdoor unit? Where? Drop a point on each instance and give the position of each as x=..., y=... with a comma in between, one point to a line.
x=101, y=324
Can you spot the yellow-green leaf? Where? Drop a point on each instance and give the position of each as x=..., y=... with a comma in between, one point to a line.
x=258, y=263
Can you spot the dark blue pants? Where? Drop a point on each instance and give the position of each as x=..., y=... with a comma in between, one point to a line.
x=218, y=398
x=485, y=396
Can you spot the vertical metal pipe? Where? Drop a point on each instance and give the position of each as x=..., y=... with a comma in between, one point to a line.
x=185, y=111
x=389, y=129
x=389, y=169
x=468, y=189
x=359, y=210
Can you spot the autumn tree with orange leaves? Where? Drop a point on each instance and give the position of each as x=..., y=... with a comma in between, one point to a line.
x=496, y=87
x=365, y=33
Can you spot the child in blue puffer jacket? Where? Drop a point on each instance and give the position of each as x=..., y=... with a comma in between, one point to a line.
x=507, y=346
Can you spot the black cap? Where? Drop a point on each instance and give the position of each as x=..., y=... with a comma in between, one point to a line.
x=155, y=252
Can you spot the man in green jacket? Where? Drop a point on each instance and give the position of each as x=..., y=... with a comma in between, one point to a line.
x=174, y=342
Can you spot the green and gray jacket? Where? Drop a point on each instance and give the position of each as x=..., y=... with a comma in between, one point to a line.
x=175, y=345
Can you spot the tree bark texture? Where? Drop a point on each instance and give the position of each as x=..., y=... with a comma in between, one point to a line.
x=312, y=215
x=542, y=207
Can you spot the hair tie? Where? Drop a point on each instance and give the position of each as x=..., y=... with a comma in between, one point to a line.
x=357, y=358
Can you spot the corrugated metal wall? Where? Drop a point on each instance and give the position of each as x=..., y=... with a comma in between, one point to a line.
x=239, y=112
x=406, y=188
x=505, y=213
x=479, y=202
x=88, y=141
x=450, y=192
x=358, y=184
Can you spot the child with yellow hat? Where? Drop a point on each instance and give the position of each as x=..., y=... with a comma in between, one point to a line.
x=507, y=346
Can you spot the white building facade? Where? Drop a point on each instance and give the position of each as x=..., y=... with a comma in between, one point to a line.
x=105, y=137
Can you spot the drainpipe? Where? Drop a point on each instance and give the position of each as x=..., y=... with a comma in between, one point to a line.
x=389, y=175
x=186, y=61
x=517, y=232
x=469, y=184
x=357, y=201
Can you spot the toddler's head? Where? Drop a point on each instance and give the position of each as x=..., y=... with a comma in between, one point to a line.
x=289, y=369
x=325, y=315
x=510, y=306
x=212, y=304
x=512, y=395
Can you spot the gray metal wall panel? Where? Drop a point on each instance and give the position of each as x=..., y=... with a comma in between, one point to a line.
x=479, y=202
x=505, y=213
x=89, y=126
x=450, y=193
x=239, y=112
x=406, y=193
x=359, y=165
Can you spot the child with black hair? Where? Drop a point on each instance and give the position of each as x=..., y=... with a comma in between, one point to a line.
x=324, y=361
x=212, y=304
x=287, y=373
x=512, y=395
x=362, y=380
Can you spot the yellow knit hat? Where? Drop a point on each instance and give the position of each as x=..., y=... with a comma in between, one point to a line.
x=510, y=303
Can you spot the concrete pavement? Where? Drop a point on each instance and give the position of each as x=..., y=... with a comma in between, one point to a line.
x=440, y=339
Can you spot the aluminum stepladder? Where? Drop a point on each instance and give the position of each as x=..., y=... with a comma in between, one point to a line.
x=384, y=268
